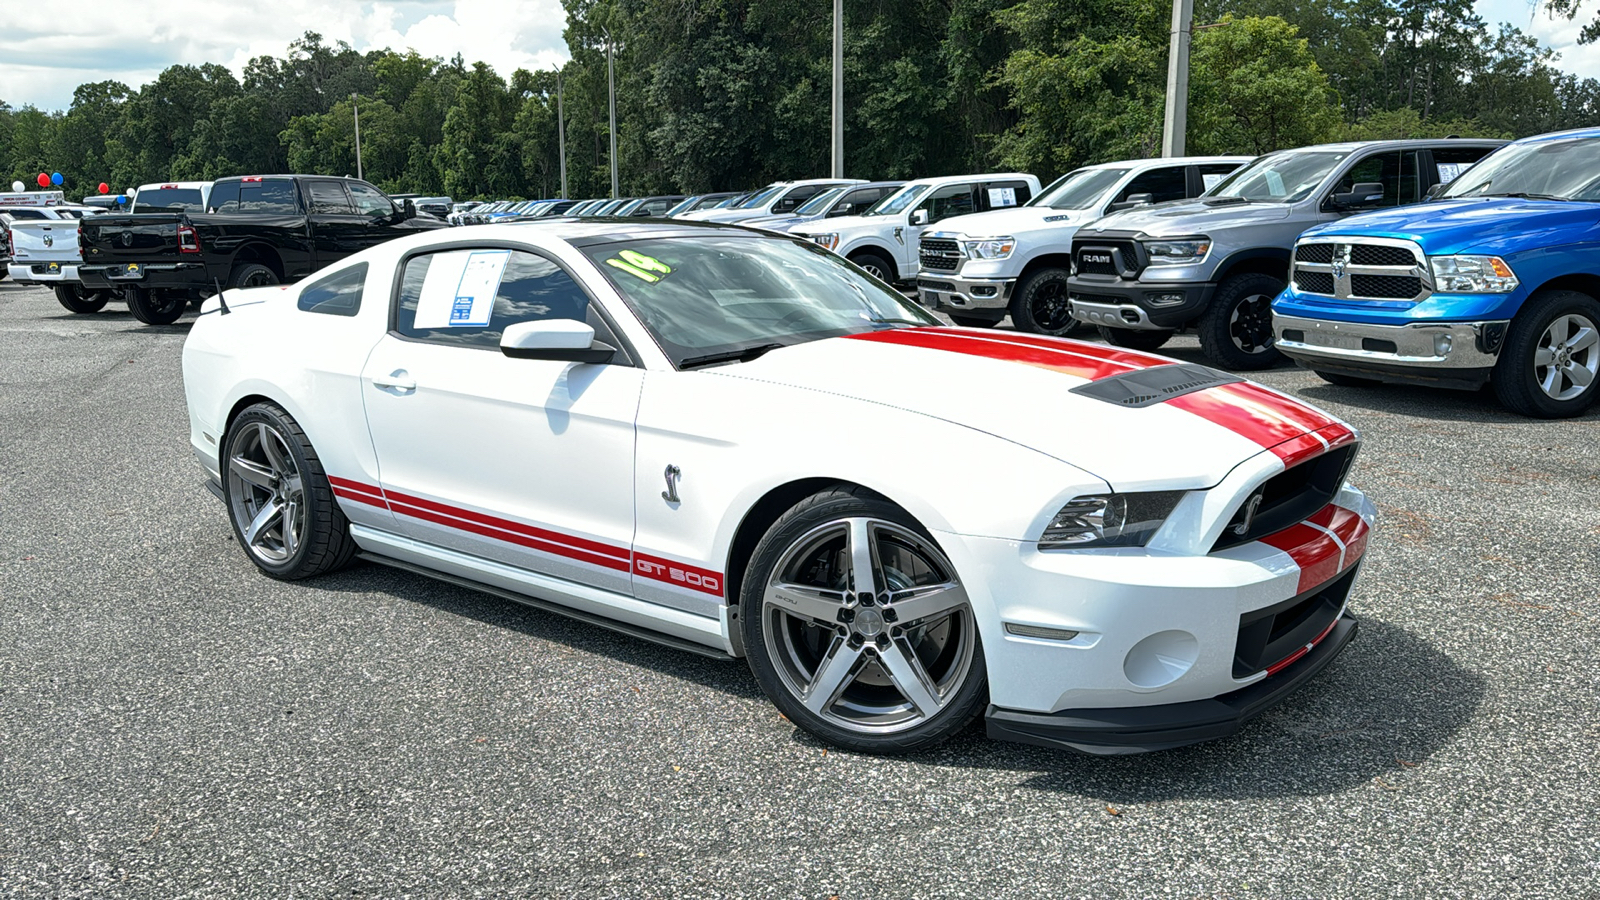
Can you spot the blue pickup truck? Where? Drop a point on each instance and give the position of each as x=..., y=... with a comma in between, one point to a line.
x=1496, y=280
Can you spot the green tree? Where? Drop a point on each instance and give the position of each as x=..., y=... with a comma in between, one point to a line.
x=1254, y=87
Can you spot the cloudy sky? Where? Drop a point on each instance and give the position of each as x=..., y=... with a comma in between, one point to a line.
x=43, y=55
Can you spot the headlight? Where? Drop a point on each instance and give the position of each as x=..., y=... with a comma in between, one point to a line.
x=829, y=241
x=1472, y=275
x=1109, y=520
x=1177, y=253
x=990, y=248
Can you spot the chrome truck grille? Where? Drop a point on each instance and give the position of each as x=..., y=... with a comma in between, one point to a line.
x=1368, y=269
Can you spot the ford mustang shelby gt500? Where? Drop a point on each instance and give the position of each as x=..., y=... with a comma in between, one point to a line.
x=739, y=443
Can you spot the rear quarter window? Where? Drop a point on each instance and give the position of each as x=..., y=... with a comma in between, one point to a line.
x=336, y=295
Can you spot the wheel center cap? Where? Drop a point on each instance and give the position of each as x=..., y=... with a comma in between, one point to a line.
x=868, y=622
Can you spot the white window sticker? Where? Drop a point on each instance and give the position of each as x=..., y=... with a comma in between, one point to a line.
x=460, y=288
x=1211, y=181
x=1001, y=197
x=1449, y=171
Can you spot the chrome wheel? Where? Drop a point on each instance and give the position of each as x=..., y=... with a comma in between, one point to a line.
x=867, y=626
x=1250, y=324
x=266, y=493
x=1567, y=357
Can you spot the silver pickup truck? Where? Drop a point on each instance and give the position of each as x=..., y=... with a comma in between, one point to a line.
x=1216, y=263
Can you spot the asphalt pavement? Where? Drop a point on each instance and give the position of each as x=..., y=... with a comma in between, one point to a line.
x=173, y=724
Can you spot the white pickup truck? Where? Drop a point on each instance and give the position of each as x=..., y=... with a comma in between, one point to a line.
x=883, y=240
x=981, y=267
x=44, y=251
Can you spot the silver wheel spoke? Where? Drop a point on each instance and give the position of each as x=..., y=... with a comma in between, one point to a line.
x=832, y=674
x=269, y=447
x=262, y=519
x=1585, y=338
x=1580, y=376
x=863, y=569
x=291, y=540
x=806, y=602
x=935, y=602
x=1543, y=356
x=907, y=673
x=253, y=473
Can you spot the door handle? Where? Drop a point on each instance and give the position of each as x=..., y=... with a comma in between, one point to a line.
x=398, y=380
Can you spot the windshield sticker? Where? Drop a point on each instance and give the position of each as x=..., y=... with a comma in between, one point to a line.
x=460, y=288
x=1449, y=171
x=999, y=197
x=1211, y=181
x=645, y=268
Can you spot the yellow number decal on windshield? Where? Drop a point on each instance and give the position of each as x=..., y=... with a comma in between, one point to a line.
x=640, y=266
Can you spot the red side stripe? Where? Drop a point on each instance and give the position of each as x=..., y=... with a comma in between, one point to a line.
x=355, y=487
x=542, y=534
x=1057, y=359
x=692, y=577
x=512, y=537
x=1313, y=550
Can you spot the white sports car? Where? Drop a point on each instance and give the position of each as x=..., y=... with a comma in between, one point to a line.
x=739, y=443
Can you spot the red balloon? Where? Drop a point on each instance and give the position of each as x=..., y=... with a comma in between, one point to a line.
x=44, y=180
x=103, y=188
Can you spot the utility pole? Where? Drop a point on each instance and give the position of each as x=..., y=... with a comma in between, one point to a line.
x=1177, y=115
x=838, y=88
x=357, y=110
x=561, y=132
x=611, y=80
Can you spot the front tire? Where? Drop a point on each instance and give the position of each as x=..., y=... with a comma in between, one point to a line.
x=75, y=299
x=1549, y=364
x=857, y=627
x=279, y=501
x=1135, y=339
x=248, y=275
x=875, y=265
x=155, y=307
x=1040, y=304
x=1236, y=330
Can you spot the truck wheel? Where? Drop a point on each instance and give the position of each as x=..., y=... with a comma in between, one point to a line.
x=973, y=321
x=1548, y=366
x=155, y=307
x=1040, y=304
x=1134, y=339
x=1236, y=329
x=1343, y=380
x=248, y=275
x=875, y=265
x=77, y=300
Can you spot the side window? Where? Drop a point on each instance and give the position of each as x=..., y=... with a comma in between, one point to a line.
x=1383, y=168
x=792, y=200
x=1163, y=184
x=336, y=295
x=856, y=201
x=468, y=297
x=328, y=198
x=1211, y=174
x=273, y=196
x=1005, y=194
x=950, y=200
x=1410, y=178
x=1452, y=161
x=224, y=197
x=369, y=200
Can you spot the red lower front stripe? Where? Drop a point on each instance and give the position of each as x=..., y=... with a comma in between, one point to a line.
x=1324, y=546
x=1295, y=657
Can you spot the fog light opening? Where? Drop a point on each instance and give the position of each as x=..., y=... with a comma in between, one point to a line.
x=1442, y=344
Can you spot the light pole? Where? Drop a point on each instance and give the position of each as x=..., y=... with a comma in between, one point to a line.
x=1177, y=114
x=838, y=88
x=357, y=110
x=611, y=83
x=561, y=134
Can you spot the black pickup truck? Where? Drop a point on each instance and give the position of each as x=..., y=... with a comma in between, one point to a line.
x=256, y=230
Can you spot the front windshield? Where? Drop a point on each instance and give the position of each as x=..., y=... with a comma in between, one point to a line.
x=1281, y=177
x=761, y=198
x=1078, y=190
x=1555, y=169
x=704, y=297
x=819, y=204
x=897, y=201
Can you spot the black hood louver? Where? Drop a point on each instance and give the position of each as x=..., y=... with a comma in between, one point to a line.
x=1146, y=387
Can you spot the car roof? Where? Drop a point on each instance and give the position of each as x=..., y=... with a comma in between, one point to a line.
x=1407, y=144
x=971, y=176
x=580, y=232
x=1157, y=161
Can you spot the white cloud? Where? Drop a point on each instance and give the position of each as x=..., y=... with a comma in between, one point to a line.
x=132, y=41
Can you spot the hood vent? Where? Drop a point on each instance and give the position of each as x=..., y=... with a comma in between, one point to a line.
x=1146, y=387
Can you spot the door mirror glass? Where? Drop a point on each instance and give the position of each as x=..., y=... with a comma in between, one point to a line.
x=919, y=217
x=408, y=210
x=1436, y=190
x=564, y=340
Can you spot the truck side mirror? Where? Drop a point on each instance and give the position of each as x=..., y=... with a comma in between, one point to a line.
x=1363, y=196
x=408, y=210
x=1134, y=200
x=918, y=217
x=1436, y=190
x=843, y=209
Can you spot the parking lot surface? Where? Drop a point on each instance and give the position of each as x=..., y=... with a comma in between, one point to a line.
x=172, y=723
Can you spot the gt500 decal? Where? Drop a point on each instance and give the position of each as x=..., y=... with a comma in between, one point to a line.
x=657, y=569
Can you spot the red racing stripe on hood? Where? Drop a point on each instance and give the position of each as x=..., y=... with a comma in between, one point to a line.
x=1261, y=415
x=1061, y=356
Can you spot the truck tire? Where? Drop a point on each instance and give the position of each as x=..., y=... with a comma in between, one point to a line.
x=80, y=301
x=155, y=307
x=247, y=275
x=1550, y=363
x=875, y=264
x=1040, y=303
x=1236, y=329
x=973, y=321
x=1134, y=339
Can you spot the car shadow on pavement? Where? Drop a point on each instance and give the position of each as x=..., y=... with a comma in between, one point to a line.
x=1374, y=717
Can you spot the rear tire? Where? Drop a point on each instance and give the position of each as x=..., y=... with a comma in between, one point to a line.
x=1135, y=339
x=973, y=321
x=1236, y=329
x=1040, y=304
x=77, y=300
x=155, y=307
x=1346, y=380
x=1550, y=364
x=248, y=275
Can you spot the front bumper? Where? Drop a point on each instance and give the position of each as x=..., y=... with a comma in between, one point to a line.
x=1137, y=305
x=938, y=291
x=1452, y=354
x=42, y=273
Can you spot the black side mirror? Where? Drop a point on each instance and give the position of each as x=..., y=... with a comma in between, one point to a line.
x=1363, y=196
x=843, y=209
x=1134, y=200
x=408, y=210
x=1436, y=190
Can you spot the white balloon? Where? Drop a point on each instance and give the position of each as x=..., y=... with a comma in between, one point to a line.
x=16, y=186
x=130, y=192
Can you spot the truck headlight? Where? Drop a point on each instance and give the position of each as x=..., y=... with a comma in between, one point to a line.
x=828, y=241
x=1109, y=520
x=990, y=248
x=1472, y=275
x=1177, y=253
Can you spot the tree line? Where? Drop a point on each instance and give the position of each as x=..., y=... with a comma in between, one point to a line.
x=728, y=94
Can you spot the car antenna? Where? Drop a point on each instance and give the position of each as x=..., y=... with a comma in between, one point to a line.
x=221, y=303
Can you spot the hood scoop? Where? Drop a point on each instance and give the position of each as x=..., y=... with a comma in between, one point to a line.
x=1147, y=387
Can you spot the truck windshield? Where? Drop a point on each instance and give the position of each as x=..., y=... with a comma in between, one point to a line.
x=819, y=204
x=1078, y=190
x=1281, y=177
x=1554, y=170
x=897, y=201
x=169, y=200
x=761, y=198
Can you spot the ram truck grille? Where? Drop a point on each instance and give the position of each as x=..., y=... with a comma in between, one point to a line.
x=1364, y=269
x=942, y=255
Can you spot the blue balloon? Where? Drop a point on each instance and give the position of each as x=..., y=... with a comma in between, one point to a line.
x=56, y=178
x=121, y=199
